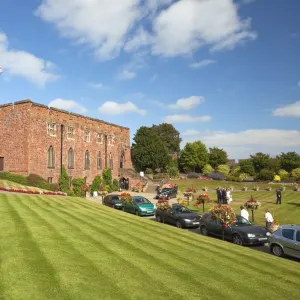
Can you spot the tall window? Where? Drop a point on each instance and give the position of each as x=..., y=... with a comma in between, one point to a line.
x=87, y=135
x=99, y=161
x=71, y=158
x=110, y=139
x=122, y=160
x=100, y=138
x=70, y=132
x=110, y=161
x=51, y=129
x=86, y=160
x=51, y=157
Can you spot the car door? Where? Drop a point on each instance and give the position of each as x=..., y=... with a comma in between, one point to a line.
x=105, y=200
x=214, y=226
x=296, y=245
x=288, y=241
x=171, y=215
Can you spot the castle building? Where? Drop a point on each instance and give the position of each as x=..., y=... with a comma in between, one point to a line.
x=36, y=139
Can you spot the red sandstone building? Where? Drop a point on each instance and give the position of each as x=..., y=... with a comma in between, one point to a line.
x=38, y=139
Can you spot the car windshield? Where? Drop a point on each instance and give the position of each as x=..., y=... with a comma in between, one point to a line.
x=241, y=221
x=115, y=198
x=181, y=209
x=165, y=190
x=141, y=200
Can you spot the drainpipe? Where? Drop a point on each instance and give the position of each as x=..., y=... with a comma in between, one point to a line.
x=61, y=147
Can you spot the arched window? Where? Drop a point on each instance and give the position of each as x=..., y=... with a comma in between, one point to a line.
x=51, y=157
x=122, y=160
x=110, y=161
x=71, y=159
x=99, y=161
x=86, y=160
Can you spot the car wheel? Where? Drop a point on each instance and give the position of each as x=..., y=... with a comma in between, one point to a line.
x=178, y=224
x=204, y=230
x=237, y=240
x=158, y=219
x=137, y=213
x=277, y=250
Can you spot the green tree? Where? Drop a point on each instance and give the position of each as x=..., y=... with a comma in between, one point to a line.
x=194, y=157
x=77, y=184
x=283, y=174
x=247, y=167
x=107, y=177
x=96, y=184
x=148, y=150
x=295, y=174
x=207, y=169
x=265, y=175
x=63, y=181
x=236, y=171
x=172, y=168
x=273, y=164
x=223, y=169
x=169, y=136
x=260, y=161
x=289, y=161
x=217, y=156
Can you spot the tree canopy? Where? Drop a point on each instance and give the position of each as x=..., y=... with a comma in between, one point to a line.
x=289, y=161
x=217, y=156
x=260, y=161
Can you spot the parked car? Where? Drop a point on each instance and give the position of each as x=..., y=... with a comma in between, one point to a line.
x=140, y=206
x=285, y=241
x=178, y=215
x=242, y=232
x=113, y=201
x=168, y=193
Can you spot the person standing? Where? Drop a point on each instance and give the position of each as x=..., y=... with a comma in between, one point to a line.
x=219, y=195
x=268, y=219
x=224, y=195
x=279, y=196
x=244, y=213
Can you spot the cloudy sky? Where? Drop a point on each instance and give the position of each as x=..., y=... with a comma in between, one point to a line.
x=222, y=71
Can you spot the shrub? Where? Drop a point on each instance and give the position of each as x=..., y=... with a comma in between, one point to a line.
x=173, y=172
x=38, y=181
x=265, y=175
x=63, y=181
x=159, y=176
x=14, y=178
x=115, y=185
x=207, y=169
x=193, y=175
x=277, y=178
x=223, y=169
x=77, y=187
x=149, y=171
x=107, y=177
x=96, y=184
x=54, y=187
x=295, y=174
x=236, y=171
x=284, y=175
x=217, y=176
x=243, y=176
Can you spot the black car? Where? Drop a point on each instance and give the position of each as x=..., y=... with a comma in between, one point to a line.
x=242, y=232
x=178, y=215
x=168, y=193
x=113, y=201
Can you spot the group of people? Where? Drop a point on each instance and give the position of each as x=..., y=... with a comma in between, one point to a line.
x=224, y=195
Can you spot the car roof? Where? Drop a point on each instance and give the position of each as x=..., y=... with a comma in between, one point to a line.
x=297, y=227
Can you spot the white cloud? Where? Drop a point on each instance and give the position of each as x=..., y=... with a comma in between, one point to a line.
x=140, y=39
x=114, y=108
x=96, y=85
x=186, y=119
x=202, y=63
x=24, y=64
x=187, y=103
x=290, y=110
x=126, y=75
x=69, y=105
x=241, y=144
x=189, y=24
x=190, y=132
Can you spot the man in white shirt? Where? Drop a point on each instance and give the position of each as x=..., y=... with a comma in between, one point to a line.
x=244, y=213
x=268, y=219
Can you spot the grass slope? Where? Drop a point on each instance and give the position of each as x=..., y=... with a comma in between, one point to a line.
x=68, y=248
x=14, y=185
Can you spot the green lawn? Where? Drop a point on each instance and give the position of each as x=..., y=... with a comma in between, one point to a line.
x=14, y=185
x=69, y=248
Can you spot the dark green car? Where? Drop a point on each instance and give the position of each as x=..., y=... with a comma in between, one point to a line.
x=140, y=206
x=113, y=201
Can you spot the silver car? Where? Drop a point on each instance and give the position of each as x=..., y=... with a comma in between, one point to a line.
x=286, y=241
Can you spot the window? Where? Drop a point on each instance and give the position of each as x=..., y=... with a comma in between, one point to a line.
x=70, y=132
x=51, y=157
x=100, y=138
x=87, y=135
x=298, y=236
x=110, y=161
x=288, y=233
x=50, y=179
x=99, y=161
x=71, y=159
x=122, y=160
x=51, y=129
x=86, y=160
x=110, y=139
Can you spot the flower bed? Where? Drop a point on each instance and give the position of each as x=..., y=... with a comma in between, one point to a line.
x=252, y=204
x=163, y=205
x=32, y=192
x=223, y=213
x=125, y=197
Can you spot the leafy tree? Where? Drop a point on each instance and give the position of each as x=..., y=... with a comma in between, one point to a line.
x=265, y=175
x=236, y=171
x=207, y=169
x=217, y=156
x=194, y=157
x=115, y=185
x=148, y=150
x=260, y=161
x=63, y=181
x=172, y=168
x=107, y=177
x=284, y=175
x=96, y=184
x=169, y=136
x=247, y=167
x=274, y=164
x=289, y=161
x=295, y=174
x=223, y=169
x=77, y=184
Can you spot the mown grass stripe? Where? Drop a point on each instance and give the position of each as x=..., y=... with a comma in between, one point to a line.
x=221, y=279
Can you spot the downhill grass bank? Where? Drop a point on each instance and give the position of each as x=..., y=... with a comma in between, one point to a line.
x=68, y=248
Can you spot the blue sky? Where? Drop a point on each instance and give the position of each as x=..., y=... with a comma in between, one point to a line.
x=225, y=72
